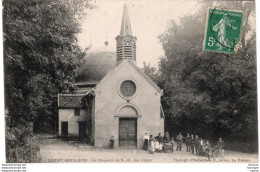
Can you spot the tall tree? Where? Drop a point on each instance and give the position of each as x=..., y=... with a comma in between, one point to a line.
x=207, y=93
x=41, y=55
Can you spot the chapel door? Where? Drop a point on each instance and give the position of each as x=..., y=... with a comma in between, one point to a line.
x=64, y=129
x=127, y=133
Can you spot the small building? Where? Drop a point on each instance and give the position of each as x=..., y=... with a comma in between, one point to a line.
x=125, y=103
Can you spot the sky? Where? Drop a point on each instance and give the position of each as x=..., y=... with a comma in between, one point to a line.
x=149, y=18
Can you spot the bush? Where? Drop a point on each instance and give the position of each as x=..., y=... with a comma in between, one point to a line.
x=21, y=145
x=248, y=147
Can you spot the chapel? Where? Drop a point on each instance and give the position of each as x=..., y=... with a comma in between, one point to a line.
x=120, y=101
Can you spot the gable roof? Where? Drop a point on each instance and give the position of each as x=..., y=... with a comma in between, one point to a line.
x=74, y=99
x=147, y=78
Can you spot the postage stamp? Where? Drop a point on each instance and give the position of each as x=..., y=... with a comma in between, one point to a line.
x=223, y=31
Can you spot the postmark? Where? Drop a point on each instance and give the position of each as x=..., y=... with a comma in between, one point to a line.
x=223, y=30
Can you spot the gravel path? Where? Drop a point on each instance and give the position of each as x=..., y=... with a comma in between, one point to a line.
x=54, y=150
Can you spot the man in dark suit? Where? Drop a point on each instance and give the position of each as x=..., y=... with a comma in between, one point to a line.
x=187, y=141
x=179, y=141
x=197, y=144
x=192, y=144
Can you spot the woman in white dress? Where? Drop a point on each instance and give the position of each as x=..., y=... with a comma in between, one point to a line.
x=146, y=142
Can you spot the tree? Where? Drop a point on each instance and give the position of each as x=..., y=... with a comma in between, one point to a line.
x=207, y=93
x=41, y=55
x=151, y=71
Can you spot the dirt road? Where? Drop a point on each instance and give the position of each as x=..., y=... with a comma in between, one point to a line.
x=53, y=150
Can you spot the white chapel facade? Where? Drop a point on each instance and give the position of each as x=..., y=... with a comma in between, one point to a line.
x=125, y=103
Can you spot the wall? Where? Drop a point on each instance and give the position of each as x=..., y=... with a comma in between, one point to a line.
x=108, y=101
x=67, y=115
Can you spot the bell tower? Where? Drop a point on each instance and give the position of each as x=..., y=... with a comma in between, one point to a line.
x=126, y=42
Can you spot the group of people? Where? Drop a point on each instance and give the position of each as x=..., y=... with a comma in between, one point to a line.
x=193, y=144
x=158, y=143
x=196, y=145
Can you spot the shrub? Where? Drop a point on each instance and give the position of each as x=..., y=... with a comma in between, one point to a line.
x=21, y=145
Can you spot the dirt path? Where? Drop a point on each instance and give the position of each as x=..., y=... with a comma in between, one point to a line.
x=54, y=150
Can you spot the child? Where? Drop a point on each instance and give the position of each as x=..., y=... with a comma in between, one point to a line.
x=156, y=145
x=160, y=147
x=112, y=141
x=152, y=148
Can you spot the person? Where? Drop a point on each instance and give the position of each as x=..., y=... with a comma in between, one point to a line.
x=151, y=137
x=207, y=148
x=172, y=142
x=179, y=141
x=160, y=146
x=156, y=145
x=152, y=148
x=112, y=141
x=187, y=141
x=159, y=138
x=197, y=144
x=146, y=141
x=166, y=137
x=221, y=147
x=167, y=147
x=192, y=144
x=201, y=146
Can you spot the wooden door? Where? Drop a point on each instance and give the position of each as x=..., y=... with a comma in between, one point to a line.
x=64, y=129
x=127, y=133
x=82, y=130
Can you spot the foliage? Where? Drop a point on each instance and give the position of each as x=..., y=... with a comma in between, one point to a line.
x=21, y=145
x=41, y=56
x=151, y=71
x=40, y=53
x=206, y=93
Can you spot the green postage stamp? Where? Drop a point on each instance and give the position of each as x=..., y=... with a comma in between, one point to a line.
x=223, y=31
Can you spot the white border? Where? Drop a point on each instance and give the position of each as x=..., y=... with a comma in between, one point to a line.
x=2, y=109
x=201, y=167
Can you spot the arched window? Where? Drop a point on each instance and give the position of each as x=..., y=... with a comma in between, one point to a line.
x=127, y=111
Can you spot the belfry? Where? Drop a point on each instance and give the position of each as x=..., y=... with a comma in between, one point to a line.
x=126, y=42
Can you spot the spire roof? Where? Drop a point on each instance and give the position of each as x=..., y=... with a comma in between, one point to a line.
x=125, y=26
